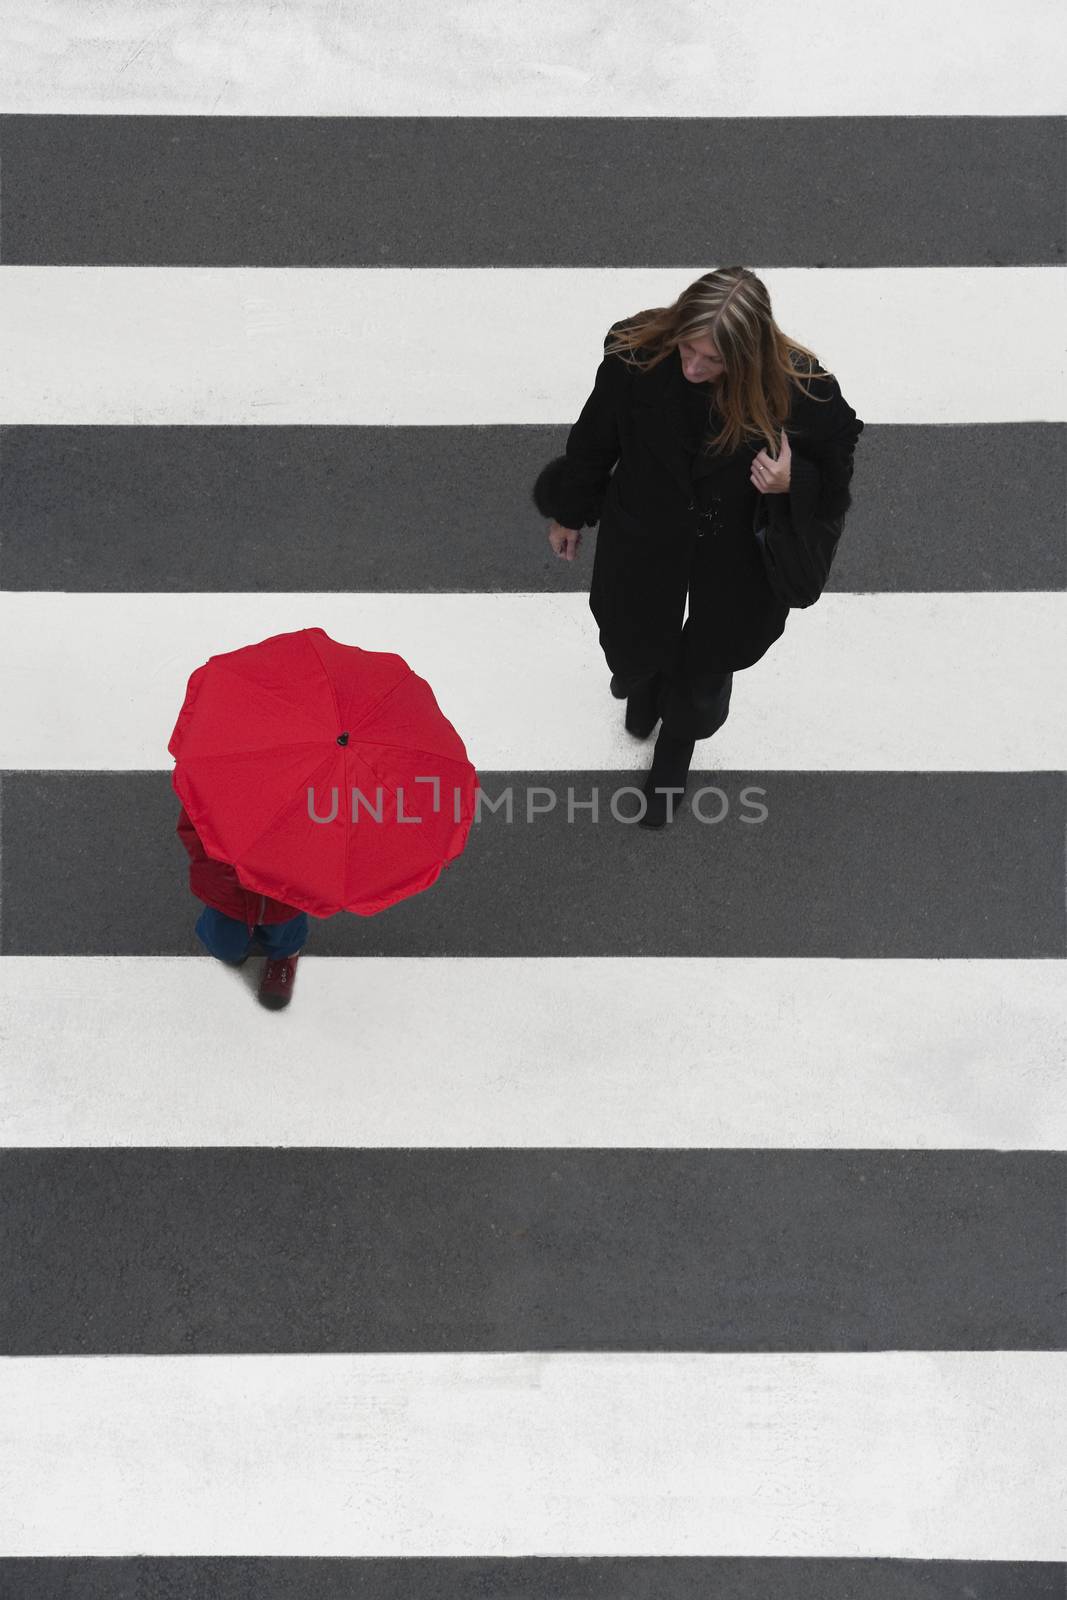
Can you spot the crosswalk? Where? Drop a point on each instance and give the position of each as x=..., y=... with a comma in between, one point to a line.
x=629, y=1217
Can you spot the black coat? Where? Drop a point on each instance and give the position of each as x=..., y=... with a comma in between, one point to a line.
x=760, y=555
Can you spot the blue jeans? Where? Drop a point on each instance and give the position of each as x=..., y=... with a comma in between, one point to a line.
x=229, y=939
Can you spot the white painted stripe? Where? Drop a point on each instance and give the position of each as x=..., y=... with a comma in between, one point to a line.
x=364, y=345
x=931, y=1455
x=886, y=682
x=319, y=58
x=762, y=1054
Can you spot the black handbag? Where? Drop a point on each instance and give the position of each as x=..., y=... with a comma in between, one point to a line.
x=798, y=532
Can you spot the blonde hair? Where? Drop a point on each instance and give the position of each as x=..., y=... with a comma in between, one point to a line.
x=760, y=362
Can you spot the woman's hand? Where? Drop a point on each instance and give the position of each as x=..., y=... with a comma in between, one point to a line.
x=771, y=476
x=564, y=541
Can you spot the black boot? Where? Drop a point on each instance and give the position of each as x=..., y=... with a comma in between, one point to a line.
x=669, y=770
x=642, y=707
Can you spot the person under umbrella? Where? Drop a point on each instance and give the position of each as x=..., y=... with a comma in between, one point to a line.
x=315, y=777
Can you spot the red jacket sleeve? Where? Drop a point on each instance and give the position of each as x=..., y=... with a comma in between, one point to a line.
x=190, y=838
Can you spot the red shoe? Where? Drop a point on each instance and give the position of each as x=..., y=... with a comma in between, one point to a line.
x=276, y=984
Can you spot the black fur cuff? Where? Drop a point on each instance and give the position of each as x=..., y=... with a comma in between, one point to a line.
x=561, y=494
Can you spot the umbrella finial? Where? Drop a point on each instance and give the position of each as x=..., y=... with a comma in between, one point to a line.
x=342, y=738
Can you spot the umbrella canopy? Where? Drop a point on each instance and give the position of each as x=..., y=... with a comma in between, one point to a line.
x=278, y=734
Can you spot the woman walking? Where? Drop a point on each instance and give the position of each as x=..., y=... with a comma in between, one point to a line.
x=732, y=451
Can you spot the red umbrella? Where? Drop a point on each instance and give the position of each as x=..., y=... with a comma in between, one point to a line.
x=278, y=734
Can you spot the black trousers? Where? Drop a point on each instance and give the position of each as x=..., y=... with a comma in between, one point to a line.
x=693, y=702
x=692, y=699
